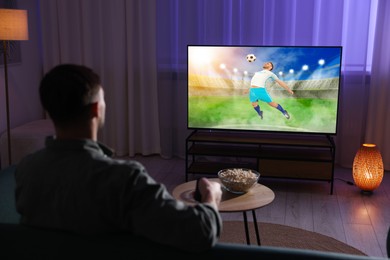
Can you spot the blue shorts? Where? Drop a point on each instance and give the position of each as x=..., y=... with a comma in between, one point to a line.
x=256, y=94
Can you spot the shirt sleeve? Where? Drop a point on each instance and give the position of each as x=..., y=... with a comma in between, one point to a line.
x=151, y=211
x=273, y=76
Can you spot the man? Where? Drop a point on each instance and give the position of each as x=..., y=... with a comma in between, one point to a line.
x=72, y=184
x=258, y=89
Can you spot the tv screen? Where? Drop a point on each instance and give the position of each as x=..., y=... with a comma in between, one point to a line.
x=288, y=89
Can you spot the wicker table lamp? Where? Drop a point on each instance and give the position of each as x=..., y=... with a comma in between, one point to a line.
x=368, y=168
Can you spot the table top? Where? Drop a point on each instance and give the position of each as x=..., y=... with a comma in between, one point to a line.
x=257, y=197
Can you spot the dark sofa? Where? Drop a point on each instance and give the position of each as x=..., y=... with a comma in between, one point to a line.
x=22, y=242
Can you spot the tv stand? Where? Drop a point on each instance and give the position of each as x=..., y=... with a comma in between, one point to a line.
x=309, y=157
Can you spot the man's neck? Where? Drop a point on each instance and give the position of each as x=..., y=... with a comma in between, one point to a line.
x=76, y=133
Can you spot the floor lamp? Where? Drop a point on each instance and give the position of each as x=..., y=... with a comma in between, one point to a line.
x=13, y=27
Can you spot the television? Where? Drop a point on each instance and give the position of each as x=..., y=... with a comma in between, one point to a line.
x=230, y=87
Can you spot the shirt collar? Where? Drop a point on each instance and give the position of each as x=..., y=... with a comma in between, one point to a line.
x=88, y=144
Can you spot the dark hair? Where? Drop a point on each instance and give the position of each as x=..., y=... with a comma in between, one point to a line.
x=272, y=66
x=66, y=92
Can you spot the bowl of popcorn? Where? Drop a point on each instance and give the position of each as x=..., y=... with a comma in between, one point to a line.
x=238, y=180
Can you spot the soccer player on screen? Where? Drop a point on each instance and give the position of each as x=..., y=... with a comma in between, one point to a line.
x=258, y=91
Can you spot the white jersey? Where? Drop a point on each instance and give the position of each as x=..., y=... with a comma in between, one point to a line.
x=261, y=78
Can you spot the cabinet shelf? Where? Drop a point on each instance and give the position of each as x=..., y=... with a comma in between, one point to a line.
x=303, y=154
x=273, y=155
x=212, y=168
x=224, y=150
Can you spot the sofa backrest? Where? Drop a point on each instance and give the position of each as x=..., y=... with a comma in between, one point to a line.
x=22, y=242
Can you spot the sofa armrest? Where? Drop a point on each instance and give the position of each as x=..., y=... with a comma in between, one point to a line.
x=25, y=139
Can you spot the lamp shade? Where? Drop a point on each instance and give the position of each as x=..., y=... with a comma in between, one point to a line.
x=13, y=25
x=368, y=168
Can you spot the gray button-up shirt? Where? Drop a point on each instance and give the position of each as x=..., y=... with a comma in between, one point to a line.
x=75, y=185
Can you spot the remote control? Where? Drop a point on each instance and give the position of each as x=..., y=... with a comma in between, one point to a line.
x=197, y=195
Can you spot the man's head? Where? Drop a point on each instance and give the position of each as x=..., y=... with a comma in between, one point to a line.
x=268, y=66
x=72, y=94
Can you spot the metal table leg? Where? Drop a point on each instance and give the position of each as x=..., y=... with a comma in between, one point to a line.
x=256, y=227
x=248, y=241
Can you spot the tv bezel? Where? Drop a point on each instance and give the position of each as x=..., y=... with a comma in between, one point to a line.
x=234, y=130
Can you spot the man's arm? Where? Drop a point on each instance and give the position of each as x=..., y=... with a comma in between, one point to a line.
x=284, y=85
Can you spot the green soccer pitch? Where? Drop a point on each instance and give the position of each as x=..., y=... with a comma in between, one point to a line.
x=236, y=112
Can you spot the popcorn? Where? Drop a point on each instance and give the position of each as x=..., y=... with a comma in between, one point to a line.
x=238, y=180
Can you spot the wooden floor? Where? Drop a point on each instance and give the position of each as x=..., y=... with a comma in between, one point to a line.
x=359, y=220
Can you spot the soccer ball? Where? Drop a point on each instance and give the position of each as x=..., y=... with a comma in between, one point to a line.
x=250, y=57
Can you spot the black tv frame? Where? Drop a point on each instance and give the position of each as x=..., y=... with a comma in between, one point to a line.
x=265, y=130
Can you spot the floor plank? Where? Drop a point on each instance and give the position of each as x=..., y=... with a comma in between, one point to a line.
x=299, y=208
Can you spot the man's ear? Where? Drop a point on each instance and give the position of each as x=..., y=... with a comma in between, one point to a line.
x=94, y=109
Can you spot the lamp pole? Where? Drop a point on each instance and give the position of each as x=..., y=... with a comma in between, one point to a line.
x=5, y=46
x=13, y=27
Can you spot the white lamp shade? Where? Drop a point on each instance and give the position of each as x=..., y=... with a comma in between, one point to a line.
x=13, y=25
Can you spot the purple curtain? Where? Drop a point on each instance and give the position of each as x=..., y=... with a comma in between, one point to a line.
x=140, y=49
x=358, y=26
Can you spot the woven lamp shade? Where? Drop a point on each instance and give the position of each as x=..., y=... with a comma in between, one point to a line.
x=368, y=168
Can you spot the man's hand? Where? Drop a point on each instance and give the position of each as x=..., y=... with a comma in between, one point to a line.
x=210, y=191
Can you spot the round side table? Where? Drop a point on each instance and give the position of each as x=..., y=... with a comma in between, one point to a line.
x=258, y=196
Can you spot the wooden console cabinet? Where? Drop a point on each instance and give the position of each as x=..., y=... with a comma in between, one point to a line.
x=309, y=157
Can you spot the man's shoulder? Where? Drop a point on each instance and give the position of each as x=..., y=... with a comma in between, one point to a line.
x=271, y=74
x=124, y=164
x=120, y=166
x=94, y=167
